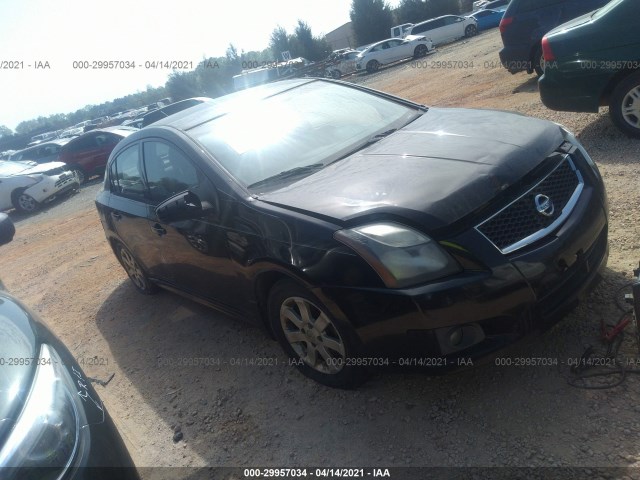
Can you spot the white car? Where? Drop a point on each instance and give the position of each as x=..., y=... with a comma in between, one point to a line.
x=26, y=185
x=446, y=29
x=392, y=50
x=342, y=64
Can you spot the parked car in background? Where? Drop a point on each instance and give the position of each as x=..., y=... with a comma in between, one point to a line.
x=526, y=21
x=486, y=19
x=170, y=109
x=26, y=185
x=342, y=64
x=54, y=425
x=87, y=154
x=392, y=50
x=499, y=5
x=399, y=31
x=445, y=29
x=72, y=132
x=594, y=61
x=352, y=223
x=42, y=153
x=6, y=154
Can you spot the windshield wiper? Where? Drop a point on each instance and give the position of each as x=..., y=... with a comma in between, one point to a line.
x=294, y=172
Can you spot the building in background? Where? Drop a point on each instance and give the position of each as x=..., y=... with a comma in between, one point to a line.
x=342, y=37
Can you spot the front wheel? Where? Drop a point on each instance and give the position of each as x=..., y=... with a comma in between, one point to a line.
x=624, y=105
x=373, y=66
x=136, y=274
x=471, y=31
x=23, y=202
x=336, y=74
x=321, y=347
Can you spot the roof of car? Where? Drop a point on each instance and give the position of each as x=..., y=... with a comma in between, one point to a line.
x=193, y=116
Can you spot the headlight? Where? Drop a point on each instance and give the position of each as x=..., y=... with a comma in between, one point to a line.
x=48, y=434
x=569, y=137
x=401, y=256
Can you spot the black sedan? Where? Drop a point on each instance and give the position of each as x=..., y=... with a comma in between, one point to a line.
x=53, y=425
x=358, y=227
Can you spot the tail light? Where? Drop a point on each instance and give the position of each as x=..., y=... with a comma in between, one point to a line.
x=504, y=23
x=547, y=52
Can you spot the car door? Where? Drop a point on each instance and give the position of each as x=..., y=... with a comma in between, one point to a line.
x=85, y=153
x=437, y=31
x=195, y=251
x=399, y=49
x=453, y=28
x=129, y=210
x=105, y=143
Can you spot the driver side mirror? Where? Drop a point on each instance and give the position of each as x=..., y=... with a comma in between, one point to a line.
x=183, y=206
x=7, y=229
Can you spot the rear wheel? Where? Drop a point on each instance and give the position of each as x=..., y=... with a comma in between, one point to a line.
x=321, y=347
x=471, y=31
x=373, y=66
x=136, y=274
x=624, y=105
x=23, y=202
x=420, y=51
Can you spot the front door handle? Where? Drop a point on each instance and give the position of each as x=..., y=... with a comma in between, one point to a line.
x=159, y=229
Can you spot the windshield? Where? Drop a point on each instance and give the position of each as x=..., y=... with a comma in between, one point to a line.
x=316, y=123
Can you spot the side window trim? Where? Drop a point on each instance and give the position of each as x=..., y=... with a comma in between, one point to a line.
x=113, y=187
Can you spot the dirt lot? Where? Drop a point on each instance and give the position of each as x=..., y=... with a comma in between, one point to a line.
x=242, y=415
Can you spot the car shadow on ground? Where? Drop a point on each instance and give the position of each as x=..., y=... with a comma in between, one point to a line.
x=530, y=85
x=602, y=135
x=238, y=401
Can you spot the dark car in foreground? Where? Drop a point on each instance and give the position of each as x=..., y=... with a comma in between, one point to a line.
x=356, y=225
x=53, y=425
x=87, y=154
x=594, y=61
x=526, y=21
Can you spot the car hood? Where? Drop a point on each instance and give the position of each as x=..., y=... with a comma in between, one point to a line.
x=18, y=341
x=31, y=167
x=438, y=169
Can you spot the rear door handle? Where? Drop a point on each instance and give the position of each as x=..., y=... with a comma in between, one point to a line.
x=159, y=229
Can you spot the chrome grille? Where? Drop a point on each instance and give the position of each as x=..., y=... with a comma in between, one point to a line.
x=525, y=220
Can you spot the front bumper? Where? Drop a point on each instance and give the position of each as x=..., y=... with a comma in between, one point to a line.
x=52, y=186
x=518, y=293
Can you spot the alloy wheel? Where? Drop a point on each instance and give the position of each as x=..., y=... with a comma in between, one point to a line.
x=312, y=335
x=132, y=268
x=27, y=203
x=631, y=107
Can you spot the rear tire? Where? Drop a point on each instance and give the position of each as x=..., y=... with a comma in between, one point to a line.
x=538, y=62
x=320, y=346
x=624, y=105
x=420, y=51
x=23, y=202
x=136, y=274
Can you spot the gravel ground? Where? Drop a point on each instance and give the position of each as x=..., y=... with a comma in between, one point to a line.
x=226, y=412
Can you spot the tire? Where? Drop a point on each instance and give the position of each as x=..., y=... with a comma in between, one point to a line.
x=538, y=62
x=420, y=51
x=82, y=177
x=373, y=66
x=23, y=202
x=471, y=31
x=136, y=274
x=624, y=105
x=318, y=344
x=336, y=74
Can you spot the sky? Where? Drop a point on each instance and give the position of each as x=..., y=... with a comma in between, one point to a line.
x=61, y=32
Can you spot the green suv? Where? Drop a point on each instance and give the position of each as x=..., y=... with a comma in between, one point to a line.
x=594, y=61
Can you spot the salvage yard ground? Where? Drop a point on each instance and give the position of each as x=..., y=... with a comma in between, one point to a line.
x=237, y=414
